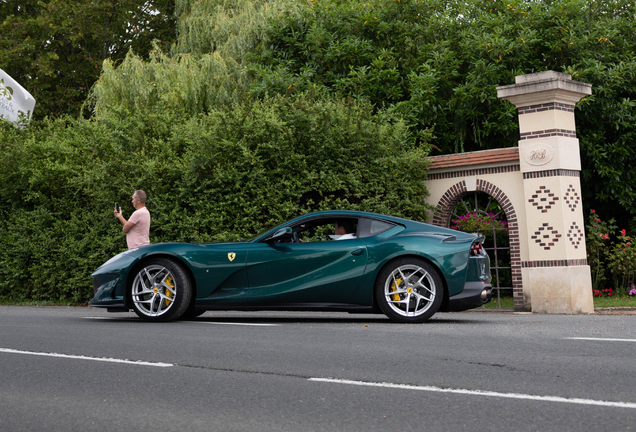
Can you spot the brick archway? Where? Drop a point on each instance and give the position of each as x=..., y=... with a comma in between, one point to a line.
x=445, y=208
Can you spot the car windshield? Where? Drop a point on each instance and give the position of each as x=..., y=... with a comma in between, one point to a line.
x=254, y=237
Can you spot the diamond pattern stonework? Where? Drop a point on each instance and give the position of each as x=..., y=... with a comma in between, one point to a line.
x=543, y=199
x=571, y=198
x=575, y=236
x=546, y=236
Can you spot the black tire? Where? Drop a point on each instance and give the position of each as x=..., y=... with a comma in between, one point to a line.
x=192, y=312
x=160, y=291
x=409, y=290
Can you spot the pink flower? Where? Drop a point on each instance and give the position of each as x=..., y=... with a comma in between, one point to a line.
x=606, y=236
x=623, y=232
x=593, y=211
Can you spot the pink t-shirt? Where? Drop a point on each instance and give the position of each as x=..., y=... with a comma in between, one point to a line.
x=139, y=235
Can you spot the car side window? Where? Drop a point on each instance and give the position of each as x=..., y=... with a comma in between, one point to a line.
x=371, y=227
x=378, y=226
x=322, y=230
x=315, y=233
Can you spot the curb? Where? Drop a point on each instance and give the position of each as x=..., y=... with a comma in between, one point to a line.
x=497, y=310
x=627, y=310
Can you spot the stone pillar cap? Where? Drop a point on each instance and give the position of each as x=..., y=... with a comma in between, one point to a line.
x=544, y=87
x=542, y=76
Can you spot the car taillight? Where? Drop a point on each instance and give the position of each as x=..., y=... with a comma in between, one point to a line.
x=476, y=249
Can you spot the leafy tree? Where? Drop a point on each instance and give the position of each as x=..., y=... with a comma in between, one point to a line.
x=438, y=63
x=55, y=48
x=205, y=68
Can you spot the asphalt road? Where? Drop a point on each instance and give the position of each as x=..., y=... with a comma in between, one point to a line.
x=81, y=369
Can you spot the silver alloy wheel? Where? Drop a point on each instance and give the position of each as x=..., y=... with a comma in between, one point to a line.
x=410, y=290
x=154, y=290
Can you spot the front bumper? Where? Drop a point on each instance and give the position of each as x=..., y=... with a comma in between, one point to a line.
x=105, y=294
x=109, y=280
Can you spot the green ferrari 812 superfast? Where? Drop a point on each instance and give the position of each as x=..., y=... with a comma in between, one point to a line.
x=346, y=261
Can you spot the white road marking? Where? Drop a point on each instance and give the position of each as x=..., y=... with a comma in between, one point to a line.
x=238, y=324
x=79, y=357
x=602, y=339
x=196, y=322
x=482, y=393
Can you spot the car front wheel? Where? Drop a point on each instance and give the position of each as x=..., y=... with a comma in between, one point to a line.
x=409, y=290
x=161, y=290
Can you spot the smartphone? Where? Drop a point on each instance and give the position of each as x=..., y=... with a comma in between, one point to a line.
x=117, y=207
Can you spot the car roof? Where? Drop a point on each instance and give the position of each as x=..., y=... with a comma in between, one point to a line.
x=408, y=223
x=357, y=213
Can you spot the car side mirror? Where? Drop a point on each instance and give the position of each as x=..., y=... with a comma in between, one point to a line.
x=282, y=234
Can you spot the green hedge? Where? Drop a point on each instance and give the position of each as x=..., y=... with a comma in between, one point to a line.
x=222, y=176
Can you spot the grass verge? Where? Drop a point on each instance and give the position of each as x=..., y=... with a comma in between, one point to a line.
x=602, y=302
x=4, y=301
x=599, y=302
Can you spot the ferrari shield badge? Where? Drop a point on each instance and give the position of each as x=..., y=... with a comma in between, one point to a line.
x=231, y=256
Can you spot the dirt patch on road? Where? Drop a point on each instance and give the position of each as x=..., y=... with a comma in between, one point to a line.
x=597, y=311
x=615, y=311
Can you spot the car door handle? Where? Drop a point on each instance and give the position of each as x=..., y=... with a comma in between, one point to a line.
x=357, y=252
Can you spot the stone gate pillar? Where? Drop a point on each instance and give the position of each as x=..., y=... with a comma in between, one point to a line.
x=556, y=275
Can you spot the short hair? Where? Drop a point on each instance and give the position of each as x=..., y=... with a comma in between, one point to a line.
x=141, y=195
x=347, y=224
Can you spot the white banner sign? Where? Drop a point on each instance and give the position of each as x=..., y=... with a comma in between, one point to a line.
x=15, y=101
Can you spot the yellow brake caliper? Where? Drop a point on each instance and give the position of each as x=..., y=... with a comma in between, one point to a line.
x=169, y=293
x=395, y=297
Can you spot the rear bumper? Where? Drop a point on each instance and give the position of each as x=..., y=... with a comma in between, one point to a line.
x=474, y=295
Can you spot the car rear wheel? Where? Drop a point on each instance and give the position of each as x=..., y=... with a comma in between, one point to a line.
x=161, y=290
x=409, y=290
x=191, y=313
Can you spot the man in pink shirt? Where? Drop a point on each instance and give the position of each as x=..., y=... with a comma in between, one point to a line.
x=137, y=228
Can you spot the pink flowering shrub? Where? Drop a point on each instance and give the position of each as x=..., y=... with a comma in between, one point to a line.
x=617, y=257
x=608, y=292
x=621, y=261
x=597, y=245
x=480, y=222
